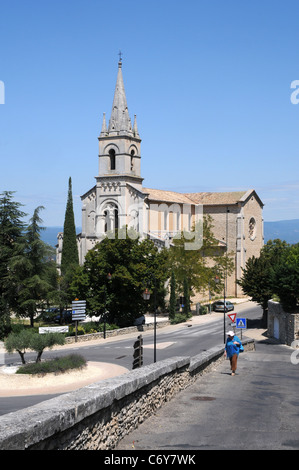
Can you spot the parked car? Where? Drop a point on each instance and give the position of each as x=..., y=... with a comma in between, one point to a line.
x=48, y=315
x=139, y=321
x=218, y=306
x=66, y=317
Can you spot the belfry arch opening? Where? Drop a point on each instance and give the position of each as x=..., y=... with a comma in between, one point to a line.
x=112, y=159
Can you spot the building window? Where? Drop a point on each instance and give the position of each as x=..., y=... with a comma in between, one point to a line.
x=111, y=218
x=112, y=159
x=252, y=228
x=132, y=160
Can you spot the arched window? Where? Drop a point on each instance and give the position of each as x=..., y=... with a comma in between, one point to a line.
x=132, y=160
x=111, y=221
x=112, y=159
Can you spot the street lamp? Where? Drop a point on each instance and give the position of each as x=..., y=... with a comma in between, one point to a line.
x=109, y=276
x=146, y=296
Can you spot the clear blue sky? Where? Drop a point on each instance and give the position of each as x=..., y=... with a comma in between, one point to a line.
x=209, y=81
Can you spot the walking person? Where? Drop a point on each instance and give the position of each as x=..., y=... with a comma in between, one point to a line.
x=232, y=348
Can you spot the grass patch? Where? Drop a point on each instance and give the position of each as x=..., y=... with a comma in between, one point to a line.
x=57, y=365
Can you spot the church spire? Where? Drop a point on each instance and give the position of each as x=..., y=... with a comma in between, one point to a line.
x=104, y=126
x=120, y=122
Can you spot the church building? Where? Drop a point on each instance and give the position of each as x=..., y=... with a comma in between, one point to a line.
x=120, y=199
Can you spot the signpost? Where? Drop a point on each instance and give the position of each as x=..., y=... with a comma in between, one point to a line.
x=138, y=352
x=53, y=329
x=232, y=316
x=241, y=323
x=78, y=312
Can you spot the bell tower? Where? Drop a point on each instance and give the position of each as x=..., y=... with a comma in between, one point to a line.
x=119, y=143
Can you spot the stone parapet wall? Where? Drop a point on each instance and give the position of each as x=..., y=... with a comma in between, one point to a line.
x=99, y=415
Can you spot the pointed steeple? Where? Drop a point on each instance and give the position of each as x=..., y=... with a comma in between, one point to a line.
x=135, y=129
x=104, y=126
x=120, y=122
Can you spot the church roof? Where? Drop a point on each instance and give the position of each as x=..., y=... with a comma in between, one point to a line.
x=206, y=199
x=167, y=196
x=217, y=198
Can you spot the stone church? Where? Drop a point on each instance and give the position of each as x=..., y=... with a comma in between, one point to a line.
x=120, y=199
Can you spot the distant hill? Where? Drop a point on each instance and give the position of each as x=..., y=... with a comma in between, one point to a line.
x=49, y=235
x=287, y=230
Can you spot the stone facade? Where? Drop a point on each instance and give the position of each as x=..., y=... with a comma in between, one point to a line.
x=120, y=199
x=99, y=415
x=282, y=326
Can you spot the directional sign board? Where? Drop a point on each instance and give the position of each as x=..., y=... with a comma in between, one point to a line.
x=78, y=310
x=241, y=323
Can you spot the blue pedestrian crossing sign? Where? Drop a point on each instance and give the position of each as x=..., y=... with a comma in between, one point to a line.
x=240, y=322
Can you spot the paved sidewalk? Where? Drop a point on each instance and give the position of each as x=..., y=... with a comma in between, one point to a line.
x=256, y=409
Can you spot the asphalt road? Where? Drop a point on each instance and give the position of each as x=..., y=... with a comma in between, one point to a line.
x=180, y=341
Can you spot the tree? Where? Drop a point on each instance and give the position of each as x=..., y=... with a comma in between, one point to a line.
x=29, y=339
x=260, y=274
x=39, y=342
x=133, y=265
x=257, y=282
x=172, y=300
x=286, y=283
x=18, y=342
x=186, y=308
x=69, y=255
x=199, y=267
x=31, y=270
x=11, y=232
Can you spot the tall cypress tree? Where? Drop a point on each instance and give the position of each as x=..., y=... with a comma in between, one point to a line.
x=69, y=255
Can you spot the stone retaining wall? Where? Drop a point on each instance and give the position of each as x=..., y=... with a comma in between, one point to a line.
x=282, y=325
x=117, y=332
x=99, y=415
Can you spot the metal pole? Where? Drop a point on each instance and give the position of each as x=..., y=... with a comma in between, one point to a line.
x=224, y=312
x=225, y=276
x=155, y=323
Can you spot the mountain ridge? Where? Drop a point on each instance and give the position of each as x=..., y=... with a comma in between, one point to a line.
x=287, y=230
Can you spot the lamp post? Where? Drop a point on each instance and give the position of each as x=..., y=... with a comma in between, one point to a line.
x=146, y=296
x=225, y=275
x=105, y=314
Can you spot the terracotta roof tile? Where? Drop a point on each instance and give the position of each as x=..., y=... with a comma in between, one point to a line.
x=194, y=198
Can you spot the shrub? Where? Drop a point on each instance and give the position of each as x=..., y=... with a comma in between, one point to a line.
x=57, y=365
x=179, y=318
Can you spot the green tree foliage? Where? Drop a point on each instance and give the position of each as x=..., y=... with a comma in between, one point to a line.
x=172, y=300
x=276, y=271
x=257, y=282
x=199, y=267
x=133, y=265
x=287, y=278
x=32, y=271
x=11, y=232
x=39, y=342
x=69, y=255
x=29, y=339
x=19, y=342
